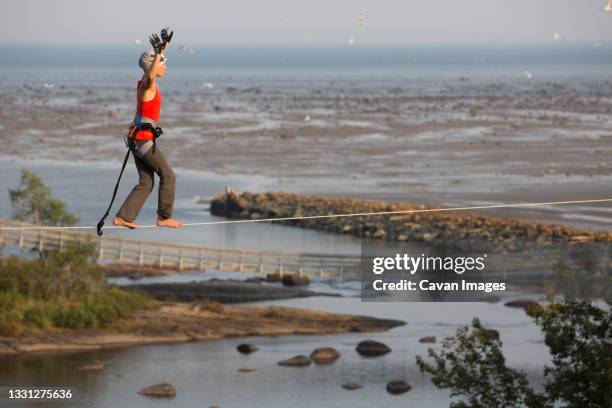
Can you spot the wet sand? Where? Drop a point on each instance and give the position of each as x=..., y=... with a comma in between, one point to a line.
x=456, y=141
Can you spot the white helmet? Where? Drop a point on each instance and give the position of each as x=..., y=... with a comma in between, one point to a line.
x=147, y=58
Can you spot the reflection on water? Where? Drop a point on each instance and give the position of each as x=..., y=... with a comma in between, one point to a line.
x=205, y=373
x=87, y=189
x=328, y=285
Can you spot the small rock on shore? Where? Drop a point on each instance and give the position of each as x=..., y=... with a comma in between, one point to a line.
x=163, y=390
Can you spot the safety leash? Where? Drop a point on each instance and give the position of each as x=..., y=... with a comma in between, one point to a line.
x=101, y=222
x=129, y=142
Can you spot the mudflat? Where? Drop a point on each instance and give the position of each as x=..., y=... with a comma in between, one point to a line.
x=443, y=141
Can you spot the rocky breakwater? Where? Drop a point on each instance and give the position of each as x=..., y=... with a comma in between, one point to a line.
x=456, y=229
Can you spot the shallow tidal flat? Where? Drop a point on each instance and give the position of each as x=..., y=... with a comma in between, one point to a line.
x=431, y=138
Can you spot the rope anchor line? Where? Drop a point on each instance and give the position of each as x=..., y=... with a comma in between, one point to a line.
x=312, y=217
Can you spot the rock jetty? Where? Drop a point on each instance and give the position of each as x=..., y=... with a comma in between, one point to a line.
x=457, y=229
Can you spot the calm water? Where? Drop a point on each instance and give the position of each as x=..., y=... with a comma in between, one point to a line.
x=115, y=68
x=369, y=59
x=205, y=373
x=87, y=189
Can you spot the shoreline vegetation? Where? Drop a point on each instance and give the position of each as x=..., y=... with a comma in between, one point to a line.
x=199, y=321
x=62, y=302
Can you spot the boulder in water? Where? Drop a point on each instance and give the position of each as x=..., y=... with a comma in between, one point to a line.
x=371, y=348
x=163, y=390
x=295, y=280
x=324, y=355
x=351, y=386
x=297, y=361
x=245, y=348
x=397, y=387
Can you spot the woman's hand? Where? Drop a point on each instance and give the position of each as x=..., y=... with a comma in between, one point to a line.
x=158, y=45
x=166, y=35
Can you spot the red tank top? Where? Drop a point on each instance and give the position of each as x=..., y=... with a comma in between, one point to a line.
x=150, y=109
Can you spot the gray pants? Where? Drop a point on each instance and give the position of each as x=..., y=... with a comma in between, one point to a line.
x=152, y=162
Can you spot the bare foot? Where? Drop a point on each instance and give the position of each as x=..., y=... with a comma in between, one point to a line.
x=120, y=222
x=169, y=222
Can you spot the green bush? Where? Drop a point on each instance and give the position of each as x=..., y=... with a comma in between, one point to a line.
x=64, y=289
x=38, y=316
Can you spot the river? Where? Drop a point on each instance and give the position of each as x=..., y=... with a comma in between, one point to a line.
x=205, y=373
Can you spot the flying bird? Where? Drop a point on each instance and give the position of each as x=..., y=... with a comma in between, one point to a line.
x=185, y=48
x=351, y=40
x=528, y=74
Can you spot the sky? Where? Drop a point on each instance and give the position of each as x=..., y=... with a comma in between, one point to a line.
x=312, y=22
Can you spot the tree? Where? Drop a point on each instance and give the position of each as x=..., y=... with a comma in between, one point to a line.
x=578, y=335
x=33, y=202
x=473, y=366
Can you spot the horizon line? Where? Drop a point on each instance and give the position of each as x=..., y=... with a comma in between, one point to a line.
x=547, y=43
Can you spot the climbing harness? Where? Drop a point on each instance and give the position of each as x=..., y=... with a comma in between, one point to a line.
x=140, y=123
x=144, y=123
